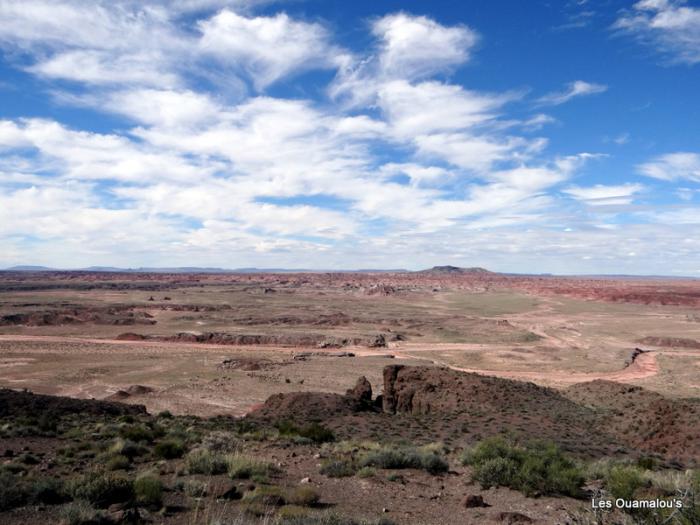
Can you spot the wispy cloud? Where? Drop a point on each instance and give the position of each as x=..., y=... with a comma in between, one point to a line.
x=604, y=195
x=578, y=88
x=669, y=26
x=673, y=166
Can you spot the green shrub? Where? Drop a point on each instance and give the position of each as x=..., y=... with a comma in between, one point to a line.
x=407, y=457
x=366, y=472
x=127, y=448
x=148, y=490
x=315, y=432
x=536, y=469
x=47, y=491
x=496, y=472
x=192, y=487
x=101, y=489
x=303, y=496
x=12, y=491
x=338, y=468
x=265, y=496
x=137, y=433
x=117, y=462
x=169, y=449
x=623, y=481
x=80, y=513
x=243, y=467
x=202, y=461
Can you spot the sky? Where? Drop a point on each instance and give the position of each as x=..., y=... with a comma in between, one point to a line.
x=557, y=136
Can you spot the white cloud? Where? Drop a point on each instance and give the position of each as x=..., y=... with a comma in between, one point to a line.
x=602, y=195
x=408, y=48
x=574, y=89
x=673, y=166
x=670, y=26
x=413, y=47
x=266, y=48
x=395, y=166
x=166, y=108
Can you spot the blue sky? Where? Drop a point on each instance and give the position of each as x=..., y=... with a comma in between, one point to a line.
x=544, y=136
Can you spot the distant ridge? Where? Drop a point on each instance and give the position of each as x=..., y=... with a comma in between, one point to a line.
x=452, y=270
x=192, y=269
x=27, y=268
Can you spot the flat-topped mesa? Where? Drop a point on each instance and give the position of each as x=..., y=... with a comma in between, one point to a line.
x=455, y=270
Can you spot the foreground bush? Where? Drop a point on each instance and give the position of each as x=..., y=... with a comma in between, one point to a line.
x=101, y=489
x=244, y=467
x=338, y=468
x=148, y=490
x=623, y=481
x=314, y=432
x=536, y=469
x=47, y=491
x=12, y=493
x=406, y=457
x=202, y=461
x=169, y=449
x=80, y=513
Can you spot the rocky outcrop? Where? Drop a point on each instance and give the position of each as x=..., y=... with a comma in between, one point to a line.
x=362, y=392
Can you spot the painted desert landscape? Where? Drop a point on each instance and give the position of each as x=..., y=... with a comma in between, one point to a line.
x=447, y=395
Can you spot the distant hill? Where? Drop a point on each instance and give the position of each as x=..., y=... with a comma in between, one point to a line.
x=454, y=270
x=29, y=268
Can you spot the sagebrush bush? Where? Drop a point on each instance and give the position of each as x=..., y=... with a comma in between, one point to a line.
x=117, y=462
x=404, y=457
x=244, y=467
x=101, y=489
x=127, y=448
x=202, y=461
x=302, y=496
x=366, y=472
x=535, y=469
x=192, y=487
x=169, y=449
x=338, y=468
x=148, y=490
x=12, y=491
x=47, y=491
x=496, y=472
x=624, y=480
x=79, y=513
x=137, y=433
x=266, y=496
x=315, y=432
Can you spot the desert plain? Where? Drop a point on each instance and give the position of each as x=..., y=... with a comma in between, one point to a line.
x=251, y=358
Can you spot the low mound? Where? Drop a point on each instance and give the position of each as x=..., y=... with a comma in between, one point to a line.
x=13, y=403
x=645, y=420
x=304, y=406
x=139, y=390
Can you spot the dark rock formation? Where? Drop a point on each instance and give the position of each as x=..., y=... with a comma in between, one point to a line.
x=362, y=392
